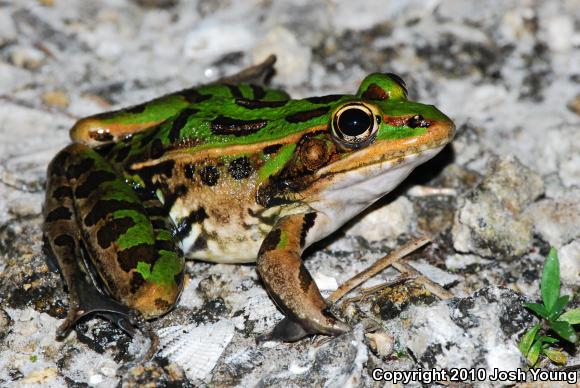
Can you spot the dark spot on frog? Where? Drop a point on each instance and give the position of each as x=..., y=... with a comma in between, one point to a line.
x=193, y=96
x=158, y=224
x=259, y=104
x=60, y=213
x=258, y=92
x=92, y=183
x=103, y=208
x=62, y=192
x=156, y=211
x=189, y=170
x=179, y=123
x=417, y=121
x=165, y=168
x=156, y=149
x=270, y=242
x=112, y=230
x=375, y=92
x=325, y=99
x=129, y=257
x=209, y=175
x=223, y=125
x=200, y=243
x=271, y=149
x=307, y=224
x=235, y=91
x=166, y=245
x=307, y=115
x=64, y=240
x=240, y=168
x=76, y=170
x=184, y=227
x=171, y=196
x=136, y=282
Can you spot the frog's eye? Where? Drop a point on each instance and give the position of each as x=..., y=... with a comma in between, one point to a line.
x=355, y=125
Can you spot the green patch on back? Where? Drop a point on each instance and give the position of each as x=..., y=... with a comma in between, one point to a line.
x=164, y=270
x=140, y=233
x=156, y=110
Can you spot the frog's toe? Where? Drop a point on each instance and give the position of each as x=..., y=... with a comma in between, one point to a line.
x=285, y=331
x=288, y=330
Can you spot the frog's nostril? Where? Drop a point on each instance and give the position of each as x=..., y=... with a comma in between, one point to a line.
x=417, y=121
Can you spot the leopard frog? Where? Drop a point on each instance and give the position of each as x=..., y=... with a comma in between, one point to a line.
x=229, y=172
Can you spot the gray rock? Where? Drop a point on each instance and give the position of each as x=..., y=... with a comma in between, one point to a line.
x=489, y=221
x=556, y=221
x=480, y=331
x=569, y=256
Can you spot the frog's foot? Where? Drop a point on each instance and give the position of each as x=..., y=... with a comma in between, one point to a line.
x=88, y=301
x=257, y=74
x=290, y=285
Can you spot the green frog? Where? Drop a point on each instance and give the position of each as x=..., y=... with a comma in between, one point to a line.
x=228, y=172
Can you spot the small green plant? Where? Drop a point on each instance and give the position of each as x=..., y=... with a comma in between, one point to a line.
x=534, y=342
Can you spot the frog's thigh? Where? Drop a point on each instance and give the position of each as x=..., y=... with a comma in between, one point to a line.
x=290, y=285
x=133, y=261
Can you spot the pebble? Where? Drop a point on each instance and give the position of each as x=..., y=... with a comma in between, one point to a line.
x=489, y=221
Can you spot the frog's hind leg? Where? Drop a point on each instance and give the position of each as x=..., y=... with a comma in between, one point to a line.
x=113, y=259
x=62, y=242
x=290, y=285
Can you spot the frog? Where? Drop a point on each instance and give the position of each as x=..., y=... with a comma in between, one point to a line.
x=232, y=172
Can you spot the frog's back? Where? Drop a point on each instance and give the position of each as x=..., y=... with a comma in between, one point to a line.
x=208, y=161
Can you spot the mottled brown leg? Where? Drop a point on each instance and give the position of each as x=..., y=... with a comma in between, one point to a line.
x=290, y=285
x=63, y=243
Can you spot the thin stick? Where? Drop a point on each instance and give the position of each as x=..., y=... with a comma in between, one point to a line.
x=430, y=285
x=366, y=292
x=377, y=267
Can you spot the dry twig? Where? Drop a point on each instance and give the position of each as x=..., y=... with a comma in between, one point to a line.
x=377, y=267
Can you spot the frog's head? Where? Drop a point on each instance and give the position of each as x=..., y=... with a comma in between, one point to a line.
x=372, y=140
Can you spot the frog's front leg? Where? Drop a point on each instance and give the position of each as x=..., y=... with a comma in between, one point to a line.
x=114, y=252
x=290, y=285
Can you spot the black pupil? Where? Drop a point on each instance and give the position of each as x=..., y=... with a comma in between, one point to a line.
x=354, y=122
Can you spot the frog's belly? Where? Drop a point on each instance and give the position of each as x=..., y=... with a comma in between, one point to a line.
x=228, y=233
x=230, y=243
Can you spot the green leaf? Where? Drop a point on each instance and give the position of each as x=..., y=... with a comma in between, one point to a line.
x=528, y=339
x=555, y=356
x=564, y=330
x=572, y=317
x=550, y=285
x=548, y=340
x=558, y=307
x=534, y=352
x=538, y=309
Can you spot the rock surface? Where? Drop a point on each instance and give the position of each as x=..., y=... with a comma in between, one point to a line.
x=505, y=71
